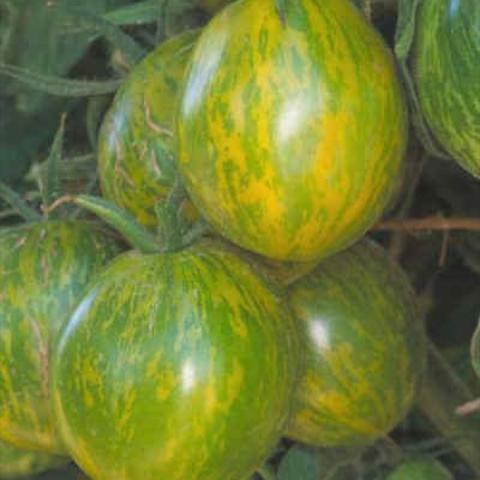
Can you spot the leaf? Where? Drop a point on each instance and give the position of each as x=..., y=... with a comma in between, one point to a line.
x=59, y=86
x=475, y=350
x=135, y=14
x=97, y=25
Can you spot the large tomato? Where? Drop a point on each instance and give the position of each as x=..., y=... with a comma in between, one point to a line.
x=292, y=126
x=446, y=68
x=44, y=268
x=136, y=149
x=364, y=345
x=178, y=365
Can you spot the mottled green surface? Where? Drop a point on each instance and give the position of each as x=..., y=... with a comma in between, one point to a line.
x=291, y=135
x=15, y=463
x=175, y=366
x=365, y=348
x=447, y=72
x=421, y=469
x=136, y=150
x=44, y=268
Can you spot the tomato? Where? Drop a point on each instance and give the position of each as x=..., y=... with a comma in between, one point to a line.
x=176, y=365
x=136, y=146
x=292, y=127
x=365, y=348
x=446, y=69
x=44, y=268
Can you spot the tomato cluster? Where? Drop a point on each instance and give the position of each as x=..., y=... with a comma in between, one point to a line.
x=250, y=160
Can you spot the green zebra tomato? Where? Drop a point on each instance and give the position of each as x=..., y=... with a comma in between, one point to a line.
x=136, y=146
x=365, y=348
x=44, y=268
x=178, y=365
x=292, y=127
x=446, y=68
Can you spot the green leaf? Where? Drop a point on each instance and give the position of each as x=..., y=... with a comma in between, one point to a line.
x=59, y=86
x=135, y=14
x=89, y=22
x=475, y=349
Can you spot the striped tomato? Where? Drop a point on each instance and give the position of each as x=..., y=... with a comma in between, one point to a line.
x=44, y=268
x=364, y=346
x=446, y=68
x=177, y=365
x=292, y=127
x=136, y=149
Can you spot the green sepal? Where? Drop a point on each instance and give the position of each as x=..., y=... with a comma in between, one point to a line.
x=125, y=223
x=18, y=204
x=170, y=222
x=51, y=188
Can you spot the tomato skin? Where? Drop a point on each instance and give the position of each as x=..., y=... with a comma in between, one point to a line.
x=44, y=268
x=291, y=134
x=136, y=146
x=446, y=68
x=364, y=348
x=176, y=366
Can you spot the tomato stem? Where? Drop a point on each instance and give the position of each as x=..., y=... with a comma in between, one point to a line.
x=134, y=233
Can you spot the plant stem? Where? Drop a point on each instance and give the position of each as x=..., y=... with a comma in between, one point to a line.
x=134, y=233
x=429, y=224
x=267, y=473
x=441, y=393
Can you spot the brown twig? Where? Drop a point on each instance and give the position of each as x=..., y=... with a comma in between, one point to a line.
x=57, y=203
x=468, y=408
x=435, y=223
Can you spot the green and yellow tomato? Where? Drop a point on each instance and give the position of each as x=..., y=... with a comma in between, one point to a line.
x=44, y=268
x=292, y=127
x=446, y=68
x=177, y=365
x=136, y=149
x=364, y=345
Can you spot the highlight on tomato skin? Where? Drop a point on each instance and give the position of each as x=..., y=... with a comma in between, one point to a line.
x=365, y=348
x=291, y=133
